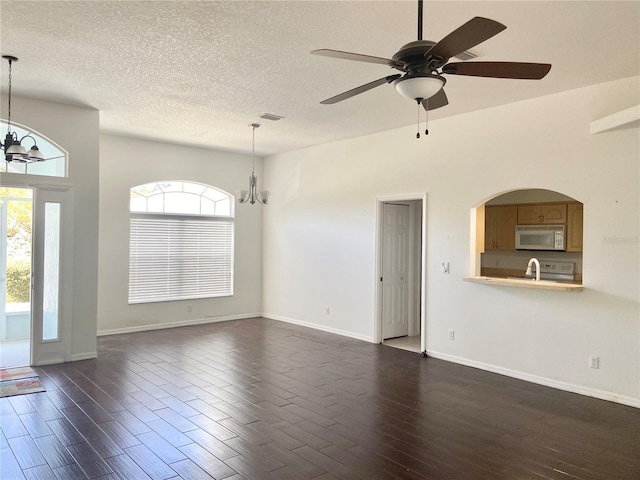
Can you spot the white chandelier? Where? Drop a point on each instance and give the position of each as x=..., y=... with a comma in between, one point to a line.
x=12, y=146
x=253, y=195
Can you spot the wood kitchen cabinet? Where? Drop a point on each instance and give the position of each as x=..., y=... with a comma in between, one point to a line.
x=542, y=214
x=574, y=227
x=500, y=227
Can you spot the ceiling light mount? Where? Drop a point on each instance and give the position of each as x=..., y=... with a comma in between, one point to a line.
x=12, y=146
x=271, y=116
x=253, y=195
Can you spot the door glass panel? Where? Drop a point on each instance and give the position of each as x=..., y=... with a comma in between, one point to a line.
x=51, y=278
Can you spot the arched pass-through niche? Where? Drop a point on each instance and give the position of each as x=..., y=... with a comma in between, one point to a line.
x=500, y=225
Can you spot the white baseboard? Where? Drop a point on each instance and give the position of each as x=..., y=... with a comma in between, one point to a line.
x=50, y=361
x=315, y=326
x=74, y=357
x=568, y=387
x=84, y=356
x=184, y=323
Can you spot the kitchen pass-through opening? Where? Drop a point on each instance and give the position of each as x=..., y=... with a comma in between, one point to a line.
x=518, y=232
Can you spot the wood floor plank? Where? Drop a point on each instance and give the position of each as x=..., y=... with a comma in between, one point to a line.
x=53, y=451
x=214, y=446
x=65, y=432
x=26, y=452
x=148, y=461
x=69, y=472
x=187, y=469
x=159, y=446
x=300, y=465
x=43, y=472
x=11, y=424
x=126, y=467
x=9, y=466
x=207, y=461
x=35, y=425
x=329, y=464
x=88, y=459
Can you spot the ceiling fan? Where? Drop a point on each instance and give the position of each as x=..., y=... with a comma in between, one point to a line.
x=423, y=63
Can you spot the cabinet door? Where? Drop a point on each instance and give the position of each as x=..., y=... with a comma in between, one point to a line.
x=529, y=214
x=547, y=213
x=554, y=213
x=500, y=227
x=574, y=227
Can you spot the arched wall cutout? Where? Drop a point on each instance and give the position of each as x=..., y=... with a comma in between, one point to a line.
x=493, y=250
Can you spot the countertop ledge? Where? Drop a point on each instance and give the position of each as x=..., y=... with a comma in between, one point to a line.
x=525, y=283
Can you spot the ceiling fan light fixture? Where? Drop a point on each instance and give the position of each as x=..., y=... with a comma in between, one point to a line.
x=419, y=87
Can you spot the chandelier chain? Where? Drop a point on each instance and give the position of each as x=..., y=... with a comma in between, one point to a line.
x=253, y=164
x=9, y=102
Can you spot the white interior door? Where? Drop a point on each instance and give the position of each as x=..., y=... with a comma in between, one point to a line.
x=51, y=305
x=395, y=270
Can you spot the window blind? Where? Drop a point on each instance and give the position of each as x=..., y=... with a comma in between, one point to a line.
x=179, y=257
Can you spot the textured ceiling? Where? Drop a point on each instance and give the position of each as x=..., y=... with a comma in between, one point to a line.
x=199, y=72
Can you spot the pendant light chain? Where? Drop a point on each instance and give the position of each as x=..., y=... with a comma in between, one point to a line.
x=253, y=164
x=9, y=102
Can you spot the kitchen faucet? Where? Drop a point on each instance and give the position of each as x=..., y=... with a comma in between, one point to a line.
x=528, y=272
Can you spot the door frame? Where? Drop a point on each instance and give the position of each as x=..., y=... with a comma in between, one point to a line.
x=42, y=353
x=378, y=265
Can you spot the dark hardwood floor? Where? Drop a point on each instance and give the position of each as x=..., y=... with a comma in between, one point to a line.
x=260, y=399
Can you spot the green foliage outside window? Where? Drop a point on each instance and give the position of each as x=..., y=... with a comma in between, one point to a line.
x=18, y=281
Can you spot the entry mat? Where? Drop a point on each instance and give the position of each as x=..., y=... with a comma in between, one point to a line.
x=19, y=381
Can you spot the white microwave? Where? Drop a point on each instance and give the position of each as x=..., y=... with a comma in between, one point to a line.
x=541, y=237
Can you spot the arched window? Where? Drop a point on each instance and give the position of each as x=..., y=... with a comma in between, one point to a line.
x=181, y=242
x=55, y=164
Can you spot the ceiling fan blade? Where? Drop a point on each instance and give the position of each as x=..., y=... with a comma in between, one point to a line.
x=359, y=58
x=360, y=89
x=472, y=33
x=517, y=70
x=438, y=100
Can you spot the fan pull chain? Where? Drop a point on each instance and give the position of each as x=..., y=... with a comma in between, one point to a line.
x=426, y=118
x=418, y=134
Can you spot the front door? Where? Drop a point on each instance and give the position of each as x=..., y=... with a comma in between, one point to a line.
x=395, y=270
x=15, y=276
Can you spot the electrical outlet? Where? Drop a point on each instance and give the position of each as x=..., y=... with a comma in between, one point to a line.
x=444, y=266
x=189, y=308
x=452, y=334
x=594, y=362
x=327, y=310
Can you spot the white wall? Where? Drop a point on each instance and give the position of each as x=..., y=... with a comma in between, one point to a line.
x=77, y=131
x=319, y=236
x=127, y=162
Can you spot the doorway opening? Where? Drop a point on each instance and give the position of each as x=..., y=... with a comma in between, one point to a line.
x=16, y=223
x=400, y=273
